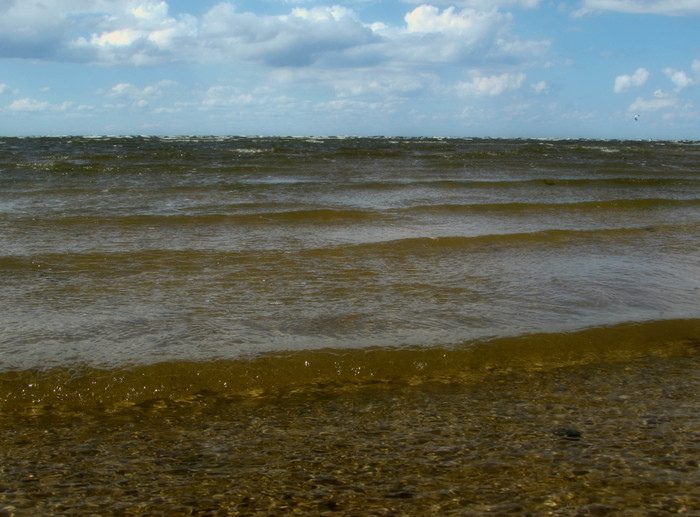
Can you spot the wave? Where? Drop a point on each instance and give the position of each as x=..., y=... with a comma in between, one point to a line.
x=600, y=206
x=148, y=154
x=249, y=217
x=332, y=370
x=486, y=181
x=260, y=214
x=545, y=237
x=177, y=257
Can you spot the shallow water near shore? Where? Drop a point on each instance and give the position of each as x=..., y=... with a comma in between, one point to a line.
x=119, y=251
x=569, y=435
x=359, y=326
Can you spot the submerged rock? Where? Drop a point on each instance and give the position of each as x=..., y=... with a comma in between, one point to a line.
x=568, y=433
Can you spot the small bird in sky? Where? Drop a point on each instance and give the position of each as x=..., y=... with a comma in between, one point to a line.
x=636, y=117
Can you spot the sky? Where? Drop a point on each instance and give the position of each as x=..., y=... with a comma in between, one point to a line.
x=462, y=68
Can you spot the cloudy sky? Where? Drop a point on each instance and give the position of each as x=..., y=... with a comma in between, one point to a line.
x=520, y=68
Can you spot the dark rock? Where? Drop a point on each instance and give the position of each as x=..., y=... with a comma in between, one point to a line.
x=568, y=433
x=401, y=493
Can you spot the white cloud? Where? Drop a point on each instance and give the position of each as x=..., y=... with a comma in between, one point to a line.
x=434, y=36
x=469, y=37
x=641, y=105
x=678, y=77
x=4, y=88
x=428, y=18
x=41, y=28
x=477, y=114
x=334, y=37
x=625, y=82
x=150, y=11
x=696, y=67
x=230, y=97
x=129, y=91
x=490, y=86
x=135, y=97
x=485, y=5
x=301, y=38
x=139, y=33
x=540, y=87
x=318, y=53
x=378, y=83
x=33, y=105
x=27, y=104
x=661, y=7
x=225, y=97
x=118, y=38
x=142, y=32
x=322, y=14
x=350, y=107
x=121, y=89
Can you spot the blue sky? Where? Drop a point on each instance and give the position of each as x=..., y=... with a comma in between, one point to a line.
x=501, y=68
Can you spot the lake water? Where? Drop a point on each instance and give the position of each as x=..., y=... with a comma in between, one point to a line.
x=215, y=326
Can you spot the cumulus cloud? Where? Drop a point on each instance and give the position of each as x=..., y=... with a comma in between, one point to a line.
x=491, y=85
x=670, y=103
x=428, y=18
x=432, y=36
x=298, y=39
x=143, y=32
x=470, y=37
x=313, y=50
x=661, y=7
x=44, y=29
x=678, y=77
x=625, y=82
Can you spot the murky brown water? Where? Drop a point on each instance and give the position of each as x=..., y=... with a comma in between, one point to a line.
x=119, y=251
x=274, y=326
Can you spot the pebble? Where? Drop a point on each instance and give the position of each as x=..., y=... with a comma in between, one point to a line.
x=568, y=433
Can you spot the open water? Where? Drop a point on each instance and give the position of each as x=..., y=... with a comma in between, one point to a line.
x=357, y=326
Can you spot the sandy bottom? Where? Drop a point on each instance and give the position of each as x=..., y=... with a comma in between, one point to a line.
x=599, y=439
